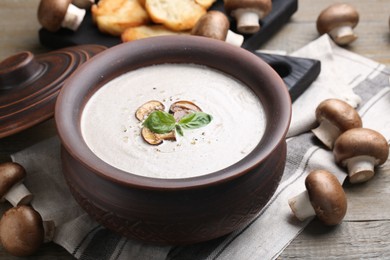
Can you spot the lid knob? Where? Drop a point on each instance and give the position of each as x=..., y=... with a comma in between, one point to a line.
x=18, y=69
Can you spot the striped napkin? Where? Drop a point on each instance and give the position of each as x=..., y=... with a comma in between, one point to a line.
x=362, y=82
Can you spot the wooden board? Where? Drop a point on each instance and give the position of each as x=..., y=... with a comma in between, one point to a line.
x=88, y=33
x=297, y=73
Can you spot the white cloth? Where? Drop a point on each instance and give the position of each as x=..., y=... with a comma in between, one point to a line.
x=274, y=227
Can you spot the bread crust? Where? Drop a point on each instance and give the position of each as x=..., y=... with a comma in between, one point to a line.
x=145, y=31
x=115, y=16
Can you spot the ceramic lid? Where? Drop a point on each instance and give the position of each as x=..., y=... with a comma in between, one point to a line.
x=29, y=85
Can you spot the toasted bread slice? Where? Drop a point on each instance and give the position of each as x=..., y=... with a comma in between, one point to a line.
x=205, y=3
x=115, y=16
x=145, y=31
x=177, y=15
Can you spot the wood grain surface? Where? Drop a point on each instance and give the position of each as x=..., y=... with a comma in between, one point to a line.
x=365, y=232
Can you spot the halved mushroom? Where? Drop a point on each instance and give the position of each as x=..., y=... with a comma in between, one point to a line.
x=11, y=184
x=324, y=197
x=338, y=20
x=53, y=15
x=248, y=13
x=156, y=139
x=182, y=108
x=215, y=25
x=22, y=230
x=360, y=150
x=334, y=117
x=144, y=111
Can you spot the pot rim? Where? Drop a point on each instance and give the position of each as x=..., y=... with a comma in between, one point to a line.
x=171, y=49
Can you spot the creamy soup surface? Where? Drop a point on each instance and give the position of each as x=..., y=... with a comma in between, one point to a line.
x=112, y=132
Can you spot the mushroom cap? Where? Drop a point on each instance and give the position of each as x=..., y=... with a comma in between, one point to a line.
x=10, y=173
x=361, y=141
x=264, y=5
x=213, y=24
x=337, y=15
x=339, y=113
x=51, y=13
x=21, y=231
x=326, y=196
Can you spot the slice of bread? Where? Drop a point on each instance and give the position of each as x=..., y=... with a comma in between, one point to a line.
x=177, y=15
x=142, y=2
x=115, y=16
x=205, y=3
x=145, y=31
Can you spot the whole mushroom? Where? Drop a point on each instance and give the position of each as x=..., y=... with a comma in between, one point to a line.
x=11, y=184
x=360, y=150
x=334, y=117
x=324, y=197
x=54, y=14
x=22, y=230
x=215, y=25
x=248, y=13
x=338, y=20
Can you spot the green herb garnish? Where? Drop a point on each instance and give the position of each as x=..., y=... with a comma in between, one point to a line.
x=161, y=122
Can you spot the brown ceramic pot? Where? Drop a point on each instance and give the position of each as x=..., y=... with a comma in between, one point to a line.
x=174, y=211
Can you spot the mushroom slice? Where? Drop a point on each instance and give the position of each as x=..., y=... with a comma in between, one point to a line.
x=156, y=139
x=338, y=20
x=182, y=108
x=334, y=117
x=143, y=111
x=21, y=231
x=360, y=150
x=324, y=197
x=11, y=184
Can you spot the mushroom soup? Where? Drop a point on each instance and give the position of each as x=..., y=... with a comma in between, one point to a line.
x=112, y=131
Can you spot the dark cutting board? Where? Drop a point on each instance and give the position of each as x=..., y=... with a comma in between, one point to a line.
x=297, y=73
x=88, y=33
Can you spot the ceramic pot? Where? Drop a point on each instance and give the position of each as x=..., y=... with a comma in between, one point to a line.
x=174, y=211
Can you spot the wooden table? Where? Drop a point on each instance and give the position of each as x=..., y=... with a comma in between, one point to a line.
x=365, y=233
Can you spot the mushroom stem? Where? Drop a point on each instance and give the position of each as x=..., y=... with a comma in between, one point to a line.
x=301, y=206
x=247, y=20
x=327, y=133
x=73, y=17
x=343, y=35
x=18, y=195
x=234, y=38
x=49, y=228
x=360, y=168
